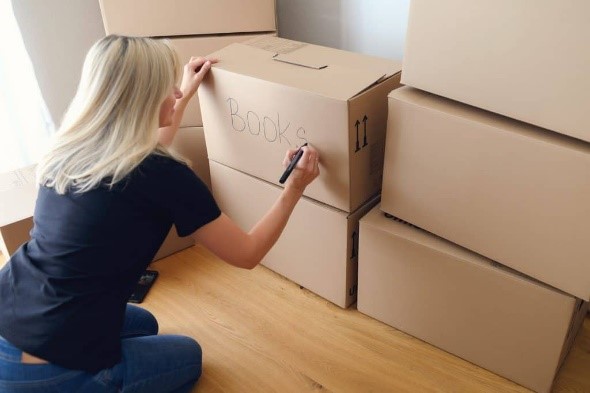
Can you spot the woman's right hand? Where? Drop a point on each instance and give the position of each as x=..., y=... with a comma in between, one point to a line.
x=229, y=242
x=306, y=170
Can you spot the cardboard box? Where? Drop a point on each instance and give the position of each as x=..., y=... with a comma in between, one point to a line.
x=318, y=249
x=190, y=143
x=272, y=94
x=187, y=17
x=18, y=195
x=202, y=46
x=464, y=303
x=510, y=191
x=528, y=61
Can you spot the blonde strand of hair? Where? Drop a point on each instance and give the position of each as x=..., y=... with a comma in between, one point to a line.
x=111, y=124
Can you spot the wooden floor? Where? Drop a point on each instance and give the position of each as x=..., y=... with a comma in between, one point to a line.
x=262, y=333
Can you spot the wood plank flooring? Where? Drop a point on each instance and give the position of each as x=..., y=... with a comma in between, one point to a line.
x=262, y=333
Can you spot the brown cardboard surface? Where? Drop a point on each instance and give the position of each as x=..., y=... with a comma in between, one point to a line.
x=13, y=235
x=18, y=194
x=462, y=302
x=255, y=107
x=575, y=326
x=202, y=46
x=510, y=191
x=190, y=143
x=528, y=61
x=187, y=17
x=317, y=249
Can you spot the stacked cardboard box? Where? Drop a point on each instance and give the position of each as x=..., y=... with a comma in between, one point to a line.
x=271, y=94
x=488, y=184
x=464, y=303
x=527, y=61
x=195, y=28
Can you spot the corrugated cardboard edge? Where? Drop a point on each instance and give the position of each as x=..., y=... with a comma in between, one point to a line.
x=471, y=114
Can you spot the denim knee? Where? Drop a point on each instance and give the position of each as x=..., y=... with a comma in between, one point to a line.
x=151, y=324
x=193, y=355
x=138, y=322
x=197, y=351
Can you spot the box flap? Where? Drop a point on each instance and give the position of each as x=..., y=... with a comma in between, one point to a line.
x=322, y=54
x=297, y=60
x=18, y=193
x=321, y=70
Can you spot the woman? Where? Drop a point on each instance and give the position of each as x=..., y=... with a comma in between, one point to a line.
x=109, y=193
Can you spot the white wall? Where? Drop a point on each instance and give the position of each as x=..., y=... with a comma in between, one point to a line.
x=372, y=27
x=57, y=35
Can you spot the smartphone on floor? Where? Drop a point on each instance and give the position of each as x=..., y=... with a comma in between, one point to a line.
x=143, y=286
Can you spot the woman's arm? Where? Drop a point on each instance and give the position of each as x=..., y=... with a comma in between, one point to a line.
x=193, y=73
x=225, y=239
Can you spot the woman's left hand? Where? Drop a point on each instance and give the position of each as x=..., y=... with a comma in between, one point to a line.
x=193, y=73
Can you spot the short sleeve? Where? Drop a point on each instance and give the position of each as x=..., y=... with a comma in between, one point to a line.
x=181, y=194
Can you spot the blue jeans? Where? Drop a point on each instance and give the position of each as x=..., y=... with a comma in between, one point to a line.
x=150, y=363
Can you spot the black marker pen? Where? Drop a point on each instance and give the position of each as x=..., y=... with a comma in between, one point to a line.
x=292, y=164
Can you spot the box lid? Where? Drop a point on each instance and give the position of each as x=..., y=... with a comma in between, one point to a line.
x=325, y=71
x=18, y=194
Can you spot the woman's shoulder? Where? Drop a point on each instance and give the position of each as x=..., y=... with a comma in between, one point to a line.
x=161, y=174
x=161, y=169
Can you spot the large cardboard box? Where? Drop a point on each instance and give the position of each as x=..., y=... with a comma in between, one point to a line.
x=18, y=194
x=318, y=249
x=202, y=46
x=526, y=60
x=190, y=143
x=464, y=303
x=187, y=17
x=510, y=191
x=271, y=94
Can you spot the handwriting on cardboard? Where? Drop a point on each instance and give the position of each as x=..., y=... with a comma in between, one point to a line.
x=24, y=177
x=271, y=129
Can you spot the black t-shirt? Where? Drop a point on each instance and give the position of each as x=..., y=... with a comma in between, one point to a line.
x=63, y=294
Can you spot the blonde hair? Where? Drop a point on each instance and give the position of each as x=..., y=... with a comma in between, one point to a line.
x=111, y=124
